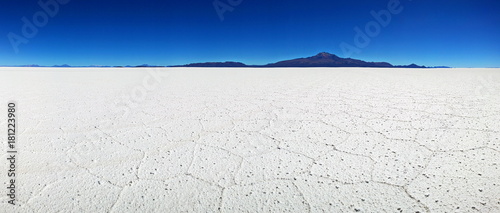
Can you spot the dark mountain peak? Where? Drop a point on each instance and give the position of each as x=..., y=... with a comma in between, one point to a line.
x=325, y=59
x=325, y=55
x=64, y=65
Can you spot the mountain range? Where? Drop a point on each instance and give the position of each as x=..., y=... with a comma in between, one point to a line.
x=323, y=59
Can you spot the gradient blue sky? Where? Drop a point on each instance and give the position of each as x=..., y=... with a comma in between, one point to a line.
x=458, y=33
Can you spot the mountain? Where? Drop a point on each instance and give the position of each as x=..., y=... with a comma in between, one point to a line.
x=323, y=59
x=30, y=65
x=410, y=66
x=216, y=64
x=64, y=65
x=327, y=60
x=439, y=67
x=147, y=65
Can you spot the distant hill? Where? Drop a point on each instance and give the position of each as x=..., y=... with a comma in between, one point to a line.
x=320, y=60
x=31, y=65
x=64, y=65
x=439, y=67
x=147, y=65
x=215, y=64
x=410, y=66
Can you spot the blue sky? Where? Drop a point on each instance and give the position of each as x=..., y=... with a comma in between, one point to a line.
x=458, y=33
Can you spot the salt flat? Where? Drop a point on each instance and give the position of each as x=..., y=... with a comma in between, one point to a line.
x=253, y=140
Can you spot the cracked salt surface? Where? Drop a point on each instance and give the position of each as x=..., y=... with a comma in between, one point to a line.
x=254, y=140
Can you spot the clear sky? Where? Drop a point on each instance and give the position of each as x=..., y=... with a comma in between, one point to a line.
x=457, y=33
